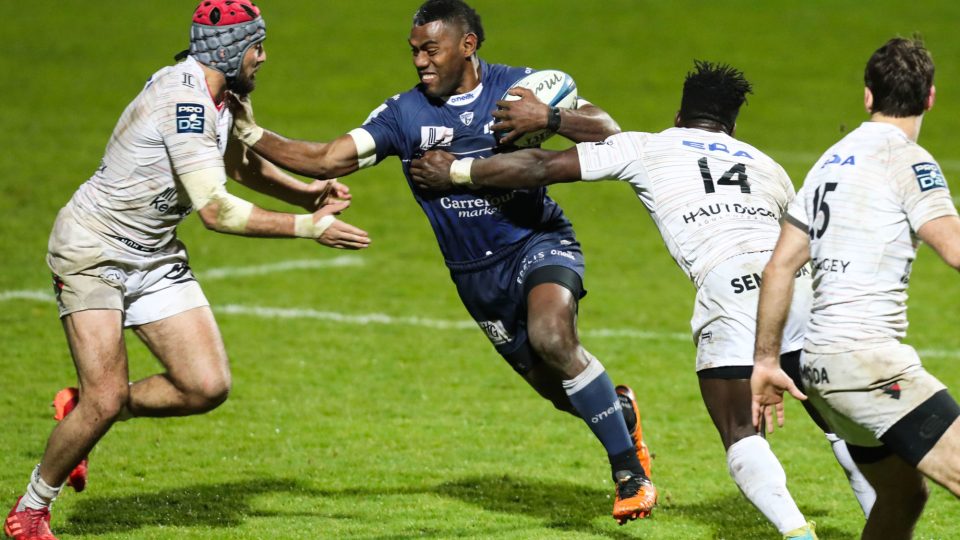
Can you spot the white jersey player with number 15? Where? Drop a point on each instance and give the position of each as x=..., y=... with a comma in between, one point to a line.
x=865, y=206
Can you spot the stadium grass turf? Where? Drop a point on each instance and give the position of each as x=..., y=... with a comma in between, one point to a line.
x=347, y=430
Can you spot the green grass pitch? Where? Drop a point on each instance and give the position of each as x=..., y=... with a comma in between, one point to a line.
x=365, y=404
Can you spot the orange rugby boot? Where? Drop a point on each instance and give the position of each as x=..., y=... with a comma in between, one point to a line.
x=628, y=402
x=636, y=497
x=63, y=403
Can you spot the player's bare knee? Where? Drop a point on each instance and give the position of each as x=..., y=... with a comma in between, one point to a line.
x=104, y=404
x=210, y=393
x=555, y=346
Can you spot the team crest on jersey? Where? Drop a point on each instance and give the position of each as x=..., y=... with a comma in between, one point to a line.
x=435, y=137
x=466, y=118
x=929, y=176
x=189, y=118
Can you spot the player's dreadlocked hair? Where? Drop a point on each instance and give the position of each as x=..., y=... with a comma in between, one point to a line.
x=450, y=11
x=714, y=92
x=899, y=75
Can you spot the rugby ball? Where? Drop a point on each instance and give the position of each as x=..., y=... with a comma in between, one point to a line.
x=553, y=87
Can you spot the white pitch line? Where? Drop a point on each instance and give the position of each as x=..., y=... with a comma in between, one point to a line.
x=265, y=312
x=440, y=324
x=282, y=266
x=369, y=318
x=39, y=296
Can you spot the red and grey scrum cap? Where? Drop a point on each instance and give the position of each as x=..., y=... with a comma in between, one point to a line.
x=222, y=31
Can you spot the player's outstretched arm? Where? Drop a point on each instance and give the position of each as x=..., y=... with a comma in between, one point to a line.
x=333, y=159
x=769, y=382
x=222, y=212
x=248, y=168
x=522, y=169
x=943, y=235
x=586, y=123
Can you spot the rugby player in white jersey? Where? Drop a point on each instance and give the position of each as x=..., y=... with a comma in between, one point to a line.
x=717, y=202
x=118, y=263
x=860, y=215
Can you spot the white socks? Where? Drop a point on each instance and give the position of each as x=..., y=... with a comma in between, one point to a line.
x=761, y=478
x=39, y=494
x=864, y=492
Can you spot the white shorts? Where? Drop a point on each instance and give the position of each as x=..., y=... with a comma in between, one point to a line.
x=861, y=394
x=89, y=273
x=724, y=319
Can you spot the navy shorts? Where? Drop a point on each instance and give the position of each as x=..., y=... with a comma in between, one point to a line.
x=495, y=292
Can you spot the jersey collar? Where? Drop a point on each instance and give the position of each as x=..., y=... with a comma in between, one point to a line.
x=467, y=98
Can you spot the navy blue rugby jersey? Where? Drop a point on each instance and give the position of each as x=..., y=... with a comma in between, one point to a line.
x=470, y=224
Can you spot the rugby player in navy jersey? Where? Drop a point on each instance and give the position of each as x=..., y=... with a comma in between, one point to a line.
x=512, y=253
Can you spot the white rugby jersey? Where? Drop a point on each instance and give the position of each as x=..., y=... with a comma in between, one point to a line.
x=866, y=198
x=172, y=127
x=712, y=197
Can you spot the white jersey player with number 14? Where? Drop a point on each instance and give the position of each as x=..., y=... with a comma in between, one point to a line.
x=717, y=202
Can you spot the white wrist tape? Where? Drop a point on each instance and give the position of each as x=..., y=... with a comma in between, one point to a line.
x=460, y=172
x=207, y=186
x=248, y=135
x=233, y=214
x=304, y=227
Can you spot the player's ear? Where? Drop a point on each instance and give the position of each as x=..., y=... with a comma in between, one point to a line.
x=931, y=98
x=677, y=120
x=868, y=99
x=469, y=44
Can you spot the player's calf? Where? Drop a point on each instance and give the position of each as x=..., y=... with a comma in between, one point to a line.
x=902, y=494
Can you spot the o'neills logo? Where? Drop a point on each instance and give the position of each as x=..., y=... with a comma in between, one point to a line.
x=466, y=99
x=477, y=206
x=603, y=415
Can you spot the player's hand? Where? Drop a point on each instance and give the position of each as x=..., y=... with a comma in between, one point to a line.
x=340, y=234
x=320, y=192
x=514, y=118
x=432, y=171
x=245, y=128
x=767, y=384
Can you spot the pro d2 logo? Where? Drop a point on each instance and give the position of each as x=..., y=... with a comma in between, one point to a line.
x=929, y=176
x=189, y=118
